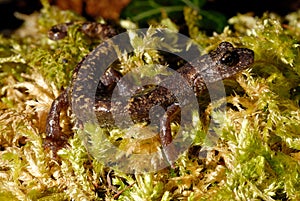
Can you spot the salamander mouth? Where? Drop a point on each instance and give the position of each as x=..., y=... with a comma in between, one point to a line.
x=246, y=56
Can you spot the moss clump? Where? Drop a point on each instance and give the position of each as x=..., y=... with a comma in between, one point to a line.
x=256, y=157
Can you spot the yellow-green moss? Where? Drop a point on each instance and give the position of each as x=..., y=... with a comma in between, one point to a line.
x=256, y=158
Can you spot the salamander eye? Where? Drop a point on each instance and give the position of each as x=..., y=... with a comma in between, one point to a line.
x=230, y=59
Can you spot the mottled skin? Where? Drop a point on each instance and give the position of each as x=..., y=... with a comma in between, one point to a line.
x=224, y=62
x=91, y=29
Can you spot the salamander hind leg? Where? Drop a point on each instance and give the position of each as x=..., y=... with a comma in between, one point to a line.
x=55, y=138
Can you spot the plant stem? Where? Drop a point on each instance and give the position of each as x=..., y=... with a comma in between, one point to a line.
x=157, y=11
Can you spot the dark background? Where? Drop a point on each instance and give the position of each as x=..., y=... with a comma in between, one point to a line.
x=227, y=7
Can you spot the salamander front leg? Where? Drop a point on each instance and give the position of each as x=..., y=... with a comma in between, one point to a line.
x=166, y=133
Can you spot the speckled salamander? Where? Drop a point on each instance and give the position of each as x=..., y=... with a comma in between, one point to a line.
x=226, y=60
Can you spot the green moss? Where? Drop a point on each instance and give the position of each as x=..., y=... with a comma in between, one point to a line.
x=256, y=157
